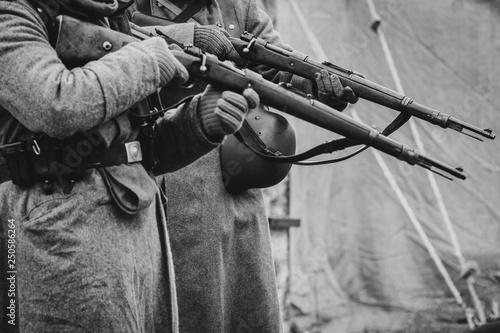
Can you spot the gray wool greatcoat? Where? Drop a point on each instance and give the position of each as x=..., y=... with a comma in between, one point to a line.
x=82, y=264
x=221, y=242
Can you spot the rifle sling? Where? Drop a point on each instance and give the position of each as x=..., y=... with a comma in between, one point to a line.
x=275, y=156
x=325, y=148
x=399, y=121
x=144, y=7
x=189, y=11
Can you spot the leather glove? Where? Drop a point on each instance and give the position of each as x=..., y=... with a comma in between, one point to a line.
x=331, y=91
x=215, y=40
x=170, y=67
x=222, y=113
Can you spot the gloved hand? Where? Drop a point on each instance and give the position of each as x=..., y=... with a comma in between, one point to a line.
x=222, y=113
x=170, y=67
x=331, y=91
x=215, y=40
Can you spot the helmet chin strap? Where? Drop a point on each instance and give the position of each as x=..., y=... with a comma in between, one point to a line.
x=273, y=155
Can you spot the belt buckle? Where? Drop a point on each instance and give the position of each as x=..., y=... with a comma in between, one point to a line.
x=134, y=151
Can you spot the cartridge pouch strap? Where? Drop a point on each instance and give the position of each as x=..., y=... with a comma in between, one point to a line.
x=144, y=6
x=4, y=173
x=231, y=23
x=187, y=13
x=47, y=10
x=227, y=8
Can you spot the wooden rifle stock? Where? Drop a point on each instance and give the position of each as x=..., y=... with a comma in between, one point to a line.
x=79, y=42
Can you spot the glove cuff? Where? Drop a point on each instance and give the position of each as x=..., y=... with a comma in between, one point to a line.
x=211, y=40
x=210, y=123
x=164, y=57
x=231, y=109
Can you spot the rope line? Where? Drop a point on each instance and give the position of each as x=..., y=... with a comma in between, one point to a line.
x=416, y=223
x=464, y=265
x=418, y=139
x=320, y=54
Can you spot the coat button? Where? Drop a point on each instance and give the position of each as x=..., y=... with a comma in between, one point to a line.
x=231, y=26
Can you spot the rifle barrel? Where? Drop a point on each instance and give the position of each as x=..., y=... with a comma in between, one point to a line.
x=260, y=51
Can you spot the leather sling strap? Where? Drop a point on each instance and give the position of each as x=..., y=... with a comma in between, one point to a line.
x=190, y=11
x=231, y=22
x=47, y=12
x=139, y=20
x=228, y=11
x=144, y=6
x=173, y=9
x=185, y=15
x=4, y=173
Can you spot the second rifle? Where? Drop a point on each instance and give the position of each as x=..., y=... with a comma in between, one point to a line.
x=260, y=51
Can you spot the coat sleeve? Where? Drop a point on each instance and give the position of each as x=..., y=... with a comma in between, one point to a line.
x=46, y=97
x=181, y=140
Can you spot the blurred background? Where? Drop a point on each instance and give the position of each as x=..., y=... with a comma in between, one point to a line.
x=383, y=246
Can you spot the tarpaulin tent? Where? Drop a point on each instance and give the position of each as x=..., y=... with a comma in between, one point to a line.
x=382, y=243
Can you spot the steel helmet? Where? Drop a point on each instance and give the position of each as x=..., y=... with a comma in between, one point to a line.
x=241, y=168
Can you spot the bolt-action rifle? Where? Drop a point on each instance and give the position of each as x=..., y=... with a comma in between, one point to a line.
x=260, y=51
x=91, y=42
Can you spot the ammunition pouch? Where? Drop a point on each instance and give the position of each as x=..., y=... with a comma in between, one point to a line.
x=32, y=161
x=45, y=159
x=147, y=139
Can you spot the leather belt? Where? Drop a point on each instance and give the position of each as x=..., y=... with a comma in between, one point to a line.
x=126, y=153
